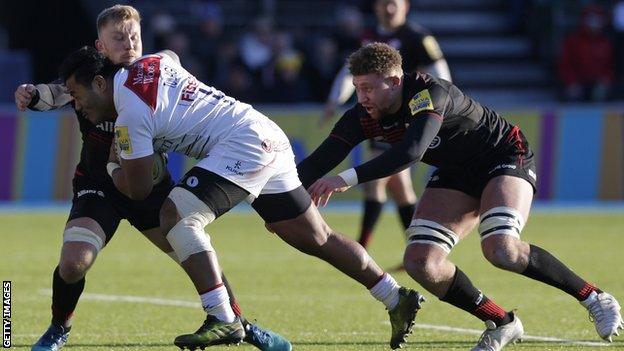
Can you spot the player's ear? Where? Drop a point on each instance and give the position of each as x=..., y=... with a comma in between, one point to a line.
x=99, y=45
x=99, y=83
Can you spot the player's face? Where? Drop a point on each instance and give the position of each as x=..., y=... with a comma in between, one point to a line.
x=391, y=13
x=120, y=41
x=95, y=101
x=379, y=95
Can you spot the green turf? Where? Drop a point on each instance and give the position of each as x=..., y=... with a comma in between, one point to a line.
x=301, y=297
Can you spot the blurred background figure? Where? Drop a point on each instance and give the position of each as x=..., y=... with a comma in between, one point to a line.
x=585, y=63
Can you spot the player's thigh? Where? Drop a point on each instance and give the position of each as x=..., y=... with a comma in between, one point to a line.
x=450, y=208
x=507, y=191
x=401, y=188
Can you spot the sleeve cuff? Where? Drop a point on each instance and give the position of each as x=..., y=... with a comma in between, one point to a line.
x=349, y=176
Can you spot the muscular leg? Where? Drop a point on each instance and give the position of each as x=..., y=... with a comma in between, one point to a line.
x=450, y=214
x=69, y=276
x=310, y=234
x=509, y=252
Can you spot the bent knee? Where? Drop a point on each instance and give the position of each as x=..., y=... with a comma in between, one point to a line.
x=511, y=254
x=74, y=268
x=168, y=215
x=420, y=265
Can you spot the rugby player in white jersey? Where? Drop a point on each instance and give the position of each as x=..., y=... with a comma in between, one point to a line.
x=242, y=154
x=97, y=206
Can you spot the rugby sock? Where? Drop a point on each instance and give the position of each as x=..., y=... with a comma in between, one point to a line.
x=64, y=299
x=233, y=302
x=387, y=291
x=372, y=211
x=236, y=308
x=406, y=212
x=464, y=295
x=546, y=268
x=216, y=302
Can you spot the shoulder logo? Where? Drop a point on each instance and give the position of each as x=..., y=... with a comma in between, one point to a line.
x=122, y=138
x=143, y=78
x=421, y=102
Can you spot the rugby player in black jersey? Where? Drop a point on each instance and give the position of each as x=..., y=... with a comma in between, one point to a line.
x=97, y=206
x=420, y=52
x=485, y=175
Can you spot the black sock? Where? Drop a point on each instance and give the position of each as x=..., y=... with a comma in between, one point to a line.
x=546, y=268
x=406, y=212
x=64, y=299
x=462, y=294
x=372, y=211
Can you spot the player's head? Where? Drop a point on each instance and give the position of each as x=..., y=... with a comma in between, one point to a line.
x=378, y=77
x=119, y=34
x=88, y=76
x=391, y=13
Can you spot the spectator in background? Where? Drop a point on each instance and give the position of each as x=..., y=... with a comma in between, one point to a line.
x=256, y=50
x=178, y=42
x=287, y=84
x=321, y=67
x=162, y=26
x=349, y=30
x=209, y=36
x=585, y=64
x=618, y=44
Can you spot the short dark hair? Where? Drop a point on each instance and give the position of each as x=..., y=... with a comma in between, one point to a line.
x=85, y=63
x=375, y=57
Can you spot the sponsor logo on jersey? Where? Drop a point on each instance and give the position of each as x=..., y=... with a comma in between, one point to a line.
x=435, y=142
x=235, y=168
x=421, y=102
x=99, y=193
x=503, y=167
x=143, y=78
x=122, y=138
x=189, y=93
x=192, y=181
x=106, y=126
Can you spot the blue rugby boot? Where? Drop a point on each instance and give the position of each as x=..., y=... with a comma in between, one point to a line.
x=265, y=339
x=52, y=340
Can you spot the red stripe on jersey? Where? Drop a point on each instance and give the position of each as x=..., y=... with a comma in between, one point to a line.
x=143, y=78
x=341, y=139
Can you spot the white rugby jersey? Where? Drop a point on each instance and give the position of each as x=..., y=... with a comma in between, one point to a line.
x=161, y=107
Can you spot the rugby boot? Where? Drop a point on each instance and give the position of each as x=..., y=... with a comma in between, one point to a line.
x=52, y=340
x=212, y=332
x=264, y=339
x=402, y=316
x=495, y=338
x=604, y=311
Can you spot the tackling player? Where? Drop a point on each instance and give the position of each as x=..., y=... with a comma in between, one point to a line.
x=420, y=52
x=97, y=207
x=485, y=174
x=242, y=155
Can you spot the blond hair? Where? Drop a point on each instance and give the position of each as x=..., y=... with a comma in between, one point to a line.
x=377, y=58
x=117, y=13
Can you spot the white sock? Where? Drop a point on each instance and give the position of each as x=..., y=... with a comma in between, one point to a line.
x=216, y=303
x=386, y=291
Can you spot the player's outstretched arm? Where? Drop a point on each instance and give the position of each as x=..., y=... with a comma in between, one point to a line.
x=41, y=97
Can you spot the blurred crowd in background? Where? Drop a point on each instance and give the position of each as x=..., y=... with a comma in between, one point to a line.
x=265, y=53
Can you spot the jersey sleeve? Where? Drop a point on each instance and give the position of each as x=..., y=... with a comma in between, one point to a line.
x=434, y=98
x=134, y=127
x=348, y=129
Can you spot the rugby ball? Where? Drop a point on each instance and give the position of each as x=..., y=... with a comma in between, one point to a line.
x=159, y=168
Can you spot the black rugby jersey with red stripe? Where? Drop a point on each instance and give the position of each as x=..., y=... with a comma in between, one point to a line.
x=465, y=134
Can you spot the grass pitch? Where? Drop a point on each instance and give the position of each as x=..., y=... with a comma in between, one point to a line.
x=136, y=298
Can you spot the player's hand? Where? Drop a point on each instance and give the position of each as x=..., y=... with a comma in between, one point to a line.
x=323, y=189
x=24, y=95
x=328, y=113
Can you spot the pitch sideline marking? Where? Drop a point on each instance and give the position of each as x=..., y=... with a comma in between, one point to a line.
x=183, y=303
